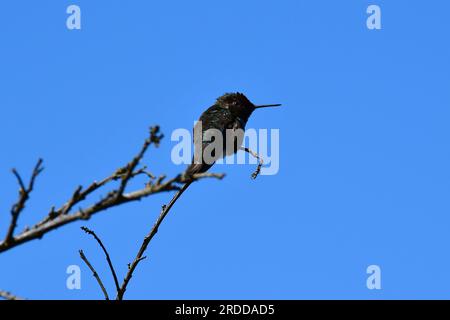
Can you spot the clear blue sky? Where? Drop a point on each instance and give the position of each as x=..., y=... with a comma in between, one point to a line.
x=364, y=151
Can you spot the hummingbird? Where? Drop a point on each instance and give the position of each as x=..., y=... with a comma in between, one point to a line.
x=231, y=111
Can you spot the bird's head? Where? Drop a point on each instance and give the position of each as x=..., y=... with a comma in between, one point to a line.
x=239, y=105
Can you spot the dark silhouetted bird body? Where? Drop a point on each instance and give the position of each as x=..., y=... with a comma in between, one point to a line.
x=231, y=111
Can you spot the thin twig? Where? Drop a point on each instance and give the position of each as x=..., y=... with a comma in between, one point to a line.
x=154, y=138
x=94, y=273
x=140, y=256
x=260, y=161
x=108, y=259
x=199, y=176
x=9, y=296
x=164, y=211
x=24, y=194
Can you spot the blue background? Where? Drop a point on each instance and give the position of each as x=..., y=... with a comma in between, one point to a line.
x=364, y=151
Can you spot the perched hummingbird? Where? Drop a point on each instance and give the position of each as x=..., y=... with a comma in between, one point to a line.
x=230, y=112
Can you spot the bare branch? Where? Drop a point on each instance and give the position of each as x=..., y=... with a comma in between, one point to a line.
x=58, y=220
x=62, y=216
x=260, y=161
x=155, y=138
x=108, y=259
x=199, y=176
x=9, y=296
x=164, y=211
x=140, y=256
x=58, y=217
x=24, y=194
x=94, y=273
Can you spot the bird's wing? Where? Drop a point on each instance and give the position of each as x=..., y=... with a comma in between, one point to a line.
x=216, y=118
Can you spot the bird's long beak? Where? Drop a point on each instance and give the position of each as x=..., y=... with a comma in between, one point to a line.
x=267, y=105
